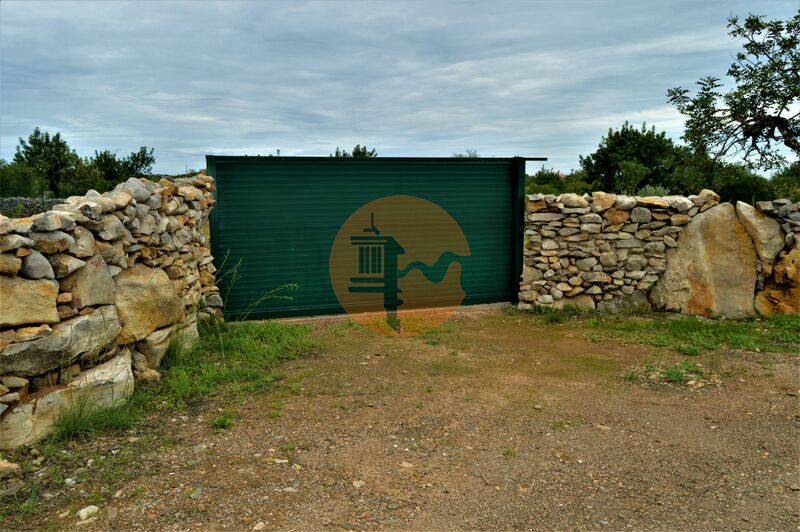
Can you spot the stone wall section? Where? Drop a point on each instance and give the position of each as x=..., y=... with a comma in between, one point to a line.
x=684, y=254
x=15, y=207
x=91, y=292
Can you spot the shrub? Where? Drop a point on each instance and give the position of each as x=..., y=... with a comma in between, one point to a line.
x=653, y=190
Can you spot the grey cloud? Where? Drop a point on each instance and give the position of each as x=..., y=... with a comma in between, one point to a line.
x=410, y=78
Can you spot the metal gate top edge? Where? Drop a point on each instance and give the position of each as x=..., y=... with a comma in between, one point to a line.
x=367, y=160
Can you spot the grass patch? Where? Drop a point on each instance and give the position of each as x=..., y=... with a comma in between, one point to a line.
x=341, y=328
x=449, y=366
x=561, y=425
x=690, y=335
x=243, y=356
x=436, y=336
x=507, y=452
x=553, y=318
x=688, y=350
x=681, y=372
x=237, y=358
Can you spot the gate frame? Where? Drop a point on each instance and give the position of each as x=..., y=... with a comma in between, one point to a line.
x=517, y=200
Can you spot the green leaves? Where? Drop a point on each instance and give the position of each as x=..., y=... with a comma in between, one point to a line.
x=629, y=158
x=359, y=152
x=758, y=116
x=46, y=163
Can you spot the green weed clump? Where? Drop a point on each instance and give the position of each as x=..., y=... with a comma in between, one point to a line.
x=691, y=336
x=223, y=421
x=682, y=371
x=83, y=420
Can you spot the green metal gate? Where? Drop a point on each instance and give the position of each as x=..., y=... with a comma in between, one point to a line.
x=276, y=220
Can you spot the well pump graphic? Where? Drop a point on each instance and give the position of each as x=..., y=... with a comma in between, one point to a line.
x=377, y=269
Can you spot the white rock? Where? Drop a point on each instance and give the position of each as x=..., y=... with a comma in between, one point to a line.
x=764, y=231
x=90, y=285
x=12, y=242
x=155, y=346
x=679, y=203
x=52, y=221
x=82, y=335
x=84, y=243
x=64, y=264
x=103, y=386
x=9, y=398
x=572, y=200
x=110, y=228
x=625, y=203
x=135, y=188
x=11, y=381
x=87, y=512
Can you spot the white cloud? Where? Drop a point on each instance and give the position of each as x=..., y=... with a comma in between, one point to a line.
x=410, y=78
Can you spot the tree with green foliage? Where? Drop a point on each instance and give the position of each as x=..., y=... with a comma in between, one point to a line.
x=550, y=181
x=49, y=156
x=786, y=183
x=17, y=179
x=49, y=160
x=643, y=162
x=140, y=163
x=630, y=158
x=359, y=152
x=737, y=182
x=760, y=113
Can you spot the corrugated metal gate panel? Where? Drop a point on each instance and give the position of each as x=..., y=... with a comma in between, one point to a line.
x=278, y=218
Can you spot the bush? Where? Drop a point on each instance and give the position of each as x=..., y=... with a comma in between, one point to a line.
x=786, y=183
x=653, y=190
x=549, y=181
x=735, y=182
x=18, y=180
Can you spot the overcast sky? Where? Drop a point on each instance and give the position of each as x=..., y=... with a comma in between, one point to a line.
x=408, y=78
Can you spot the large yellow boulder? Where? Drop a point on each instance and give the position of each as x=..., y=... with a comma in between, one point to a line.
x=781, y=295
x=712, y=272
x=146, y=301
x=27, y=301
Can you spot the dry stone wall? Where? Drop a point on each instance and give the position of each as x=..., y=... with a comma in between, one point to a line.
x=684, y=254
x=91, y=292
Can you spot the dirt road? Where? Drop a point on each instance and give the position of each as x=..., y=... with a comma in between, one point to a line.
x=498, y=422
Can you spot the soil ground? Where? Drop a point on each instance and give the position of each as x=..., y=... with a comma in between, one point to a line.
x=498, y=421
